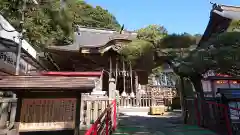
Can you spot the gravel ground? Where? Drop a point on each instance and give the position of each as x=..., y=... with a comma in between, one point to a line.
x=136, y=123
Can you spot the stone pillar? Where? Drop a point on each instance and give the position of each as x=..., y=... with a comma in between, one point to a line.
x=137, y=90
x=112, y=88
x=4, y=115
x=132, y=94
x=98, y=88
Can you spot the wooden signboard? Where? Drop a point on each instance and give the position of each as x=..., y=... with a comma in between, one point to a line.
x=47, y=114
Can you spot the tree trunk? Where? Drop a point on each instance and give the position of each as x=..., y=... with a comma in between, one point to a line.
x=196, y=80
x=183, y=105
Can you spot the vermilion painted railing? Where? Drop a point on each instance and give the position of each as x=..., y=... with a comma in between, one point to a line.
x=218, y=119
x=221, y=118
x=106, y=122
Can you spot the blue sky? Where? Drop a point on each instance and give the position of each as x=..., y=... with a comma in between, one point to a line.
x=177, y=16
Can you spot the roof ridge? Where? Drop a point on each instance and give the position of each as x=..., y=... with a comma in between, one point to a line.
x=96, y=28
x=229, y=5
x=105, y=29
x=230, y=8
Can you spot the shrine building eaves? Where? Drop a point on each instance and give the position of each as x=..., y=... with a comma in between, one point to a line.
x=94, y=38
x=220, y=19
x=230, y=12
x=46, y=83
x=223, y=18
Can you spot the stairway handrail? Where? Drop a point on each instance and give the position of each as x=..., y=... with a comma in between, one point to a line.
x=93, y=130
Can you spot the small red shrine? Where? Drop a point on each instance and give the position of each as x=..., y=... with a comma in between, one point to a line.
x=212, y=83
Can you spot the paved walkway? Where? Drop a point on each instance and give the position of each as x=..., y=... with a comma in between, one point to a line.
x=135, y=123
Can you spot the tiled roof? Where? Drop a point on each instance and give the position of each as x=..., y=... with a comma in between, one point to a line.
x=46, y=83
x=94, y=38
x=76, y=74
x=221, y=19
x=99, y=37
x=230, y=12
x=223, y=14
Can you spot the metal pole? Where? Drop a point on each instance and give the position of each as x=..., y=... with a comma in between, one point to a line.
x=19, y=47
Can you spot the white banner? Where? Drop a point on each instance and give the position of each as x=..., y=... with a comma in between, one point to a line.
x=8, y=62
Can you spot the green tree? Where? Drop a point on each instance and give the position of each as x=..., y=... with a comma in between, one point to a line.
x=141, y=51
x=152, y=33
x=45, y=24
x=49, y=24
x=89, y=16
x=178, y=41
x=136, y=49
x=173, y=49
x=219, y=53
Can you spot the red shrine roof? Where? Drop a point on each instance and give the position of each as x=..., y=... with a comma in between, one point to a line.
x=79, y=74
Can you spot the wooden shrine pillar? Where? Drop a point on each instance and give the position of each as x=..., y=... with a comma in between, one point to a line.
x=124, y=94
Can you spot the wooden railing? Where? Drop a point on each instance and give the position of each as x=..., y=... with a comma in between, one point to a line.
x=135, y=102
x=218, y=117
x=191, y=111
x=143, y=101
x=106, y=122
x=91, y=108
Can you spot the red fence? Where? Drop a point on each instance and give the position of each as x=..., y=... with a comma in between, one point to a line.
x=106, y=122
x=218, y=117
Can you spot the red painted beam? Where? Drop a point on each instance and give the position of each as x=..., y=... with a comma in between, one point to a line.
x=52, y=73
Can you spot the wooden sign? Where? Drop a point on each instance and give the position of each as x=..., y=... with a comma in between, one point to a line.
x=47, y=114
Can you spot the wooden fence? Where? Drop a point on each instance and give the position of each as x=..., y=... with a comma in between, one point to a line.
x=91, y=108
x=144, y=100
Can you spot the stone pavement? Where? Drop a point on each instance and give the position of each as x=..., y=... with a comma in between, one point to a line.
x=135, y=123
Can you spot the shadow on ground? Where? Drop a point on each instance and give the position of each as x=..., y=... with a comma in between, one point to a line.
x=169, y=124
